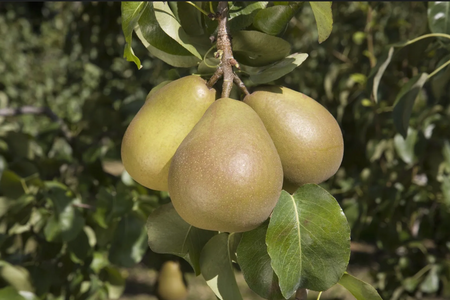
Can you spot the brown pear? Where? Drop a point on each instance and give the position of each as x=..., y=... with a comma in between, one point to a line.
x=308, y=138
x=160, y=126
x=170, y=282
x=226, y=175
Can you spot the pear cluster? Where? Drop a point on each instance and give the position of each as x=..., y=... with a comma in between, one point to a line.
x=225, y=162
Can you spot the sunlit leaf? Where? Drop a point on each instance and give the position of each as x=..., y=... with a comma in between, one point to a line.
x=278, y=69
x=405, y=101
x=377, y=72
x=10, y=293
x=114, y=282
x=16, y=276
x=254, y=262
x=308, y=240
x=359, y=289
x=405, y=147
x=324, y=18
x=169, y=233
x=216, y=267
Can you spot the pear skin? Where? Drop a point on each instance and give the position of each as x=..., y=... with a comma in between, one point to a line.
x=308, y=138
x=226, y=175
x=170, y=282
x=155, y=133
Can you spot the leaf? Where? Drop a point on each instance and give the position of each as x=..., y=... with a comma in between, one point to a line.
x=254, y=262
x=439, y=17
x=254, y=48
x=114, y=282
x=405, y=101
x=79, y=248
x=67, y=221
x=170, y=25
x=308, y=240
x=431, y=282
x=216, y=267
x=377, y=72
x=16, y=276
x=242, y=17
x=131, y=12
x=405, y=147
x=130, y=241
x=324, y=18
x=169, y=233
x=10, y=293
x=273, y=20
x=190, y=18
x=109, y=206
x=359, y=289
x=440, y=80
x=279, y=69
x=11, y=185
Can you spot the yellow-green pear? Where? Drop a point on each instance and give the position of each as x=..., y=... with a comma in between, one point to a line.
x=308, y=138
x=226, y=175
x=160, y=126
x=170, y=282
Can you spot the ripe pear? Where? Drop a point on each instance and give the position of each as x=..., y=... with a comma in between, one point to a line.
x=308, y=138
x=226, y=175
x=160, y=126
x=170, y=282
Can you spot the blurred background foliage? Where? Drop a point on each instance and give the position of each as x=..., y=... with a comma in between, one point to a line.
x=72, y=222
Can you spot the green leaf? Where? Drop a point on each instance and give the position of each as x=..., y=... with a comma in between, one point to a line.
x=405, y=147
x=16, y=276
x=216, y=267
x=273, y=20
x=114, y=281
x=190, y=18
x=241, y=17
x=440, y=80
x=67, y=221
x=431, y=282
x=169, y=233
x=439, y=17
x=377, y=72
x=310, y=229
x=170, y=25
x=324, y=18
x=79, y=248
x=445, y=187
x=254, y=48
x=10, y=293
x=405, y=101
x=278, y=69
x=11, y=185
x=111, y=205
x=131, y=12
x=130, y=241
x=254, y=262
x=160, y=44
x=359, y=289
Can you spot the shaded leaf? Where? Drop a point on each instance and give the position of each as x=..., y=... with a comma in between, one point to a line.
x=324, y=18
x=190, y=18
x=377, y=72
x=131, y=12
x=67, y=221
x=111, y=205
x=359, y=289
x=240, y=17
x=169, y=233
x=311, y=230
x=217, y=269
x=405, y=101
x=273, y=20
x=11, y=185
x=254, y=48
x=439, y=16
x=114, y=281
x=170, y=25
x=130, y=241
x=279, y=69
x=79, y=248
x=440, y=80
x=254, y=262
x=445, y=187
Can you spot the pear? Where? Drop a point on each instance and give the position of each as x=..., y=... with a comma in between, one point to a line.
x=170, y=282
x=160, y=126
x=226, y=175
x=308, y=138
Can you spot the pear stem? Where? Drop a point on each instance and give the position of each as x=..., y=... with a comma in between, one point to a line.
x=225, y=54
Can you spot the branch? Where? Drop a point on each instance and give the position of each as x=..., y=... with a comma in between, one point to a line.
x=32, y=110
x=225, y=54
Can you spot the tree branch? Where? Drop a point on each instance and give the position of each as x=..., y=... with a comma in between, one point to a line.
x=225, y=54
x=32, y=110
